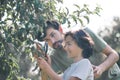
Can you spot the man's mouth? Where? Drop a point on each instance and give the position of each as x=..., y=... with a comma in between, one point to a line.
x=57, y=44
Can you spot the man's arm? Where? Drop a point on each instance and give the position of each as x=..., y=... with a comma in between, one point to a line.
x=112, y=57
x=102, y=46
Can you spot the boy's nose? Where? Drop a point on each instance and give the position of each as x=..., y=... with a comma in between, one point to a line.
x=65, y=47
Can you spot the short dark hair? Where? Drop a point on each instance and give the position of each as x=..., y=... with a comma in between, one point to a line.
x=54, y=24
x=81, y=38
x=49, y=24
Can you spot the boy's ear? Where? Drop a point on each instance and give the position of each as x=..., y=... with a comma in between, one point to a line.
x=60, y=29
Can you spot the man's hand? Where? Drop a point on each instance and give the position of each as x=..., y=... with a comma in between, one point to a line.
x=97, y=71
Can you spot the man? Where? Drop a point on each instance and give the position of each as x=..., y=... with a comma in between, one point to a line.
x=103, y=60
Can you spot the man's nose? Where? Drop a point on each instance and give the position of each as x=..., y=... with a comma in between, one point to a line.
x=52, y=41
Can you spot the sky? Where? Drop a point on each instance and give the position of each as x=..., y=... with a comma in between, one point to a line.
x=110, y=8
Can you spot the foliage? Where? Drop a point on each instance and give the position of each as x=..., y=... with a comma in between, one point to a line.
x=77, y=16
x=21, y=22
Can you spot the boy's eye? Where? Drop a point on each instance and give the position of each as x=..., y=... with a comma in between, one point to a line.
x=69, y=44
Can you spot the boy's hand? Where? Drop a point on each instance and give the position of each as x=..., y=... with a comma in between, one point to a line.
x=42, y=63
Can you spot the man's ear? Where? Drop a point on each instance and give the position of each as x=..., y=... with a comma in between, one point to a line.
x=60, y=29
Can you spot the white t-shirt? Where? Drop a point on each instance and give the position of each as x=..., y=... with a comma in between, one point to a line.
x=81, y=69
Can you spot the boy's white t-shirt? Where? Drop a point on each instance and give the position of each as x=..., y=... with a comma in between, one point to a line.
x=82, y=70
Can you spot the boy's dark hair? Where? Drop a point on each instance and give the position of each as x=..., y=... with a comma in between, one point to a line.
x=82, y=40
x=53, y=23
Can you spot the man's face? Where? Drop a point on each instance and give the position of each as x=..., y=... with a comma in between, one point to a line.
x=54, y=38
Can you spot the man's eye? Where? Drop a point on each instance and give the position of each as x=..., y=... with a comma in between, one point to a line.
x=52, y=35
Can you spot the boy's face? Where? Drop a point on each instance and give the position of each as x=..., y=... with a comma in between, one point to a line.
x=71, y=47
x=54, y=38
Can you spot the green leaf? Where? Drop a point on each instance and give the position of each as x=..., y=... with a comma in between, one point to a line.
x=74, y=18
x=80, y=20
x=87, y=18
x=77, y=6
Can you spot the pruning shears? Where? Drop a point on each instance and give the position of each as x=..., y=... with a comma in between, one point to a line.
x=41, y=51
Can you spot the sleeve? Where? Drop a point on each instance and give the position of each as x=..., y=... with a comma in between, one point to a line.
x=100, y=44
x=83, y=70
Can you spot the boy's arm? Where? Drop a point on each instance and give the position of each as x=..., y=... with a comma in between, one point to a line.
x=47, y=69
